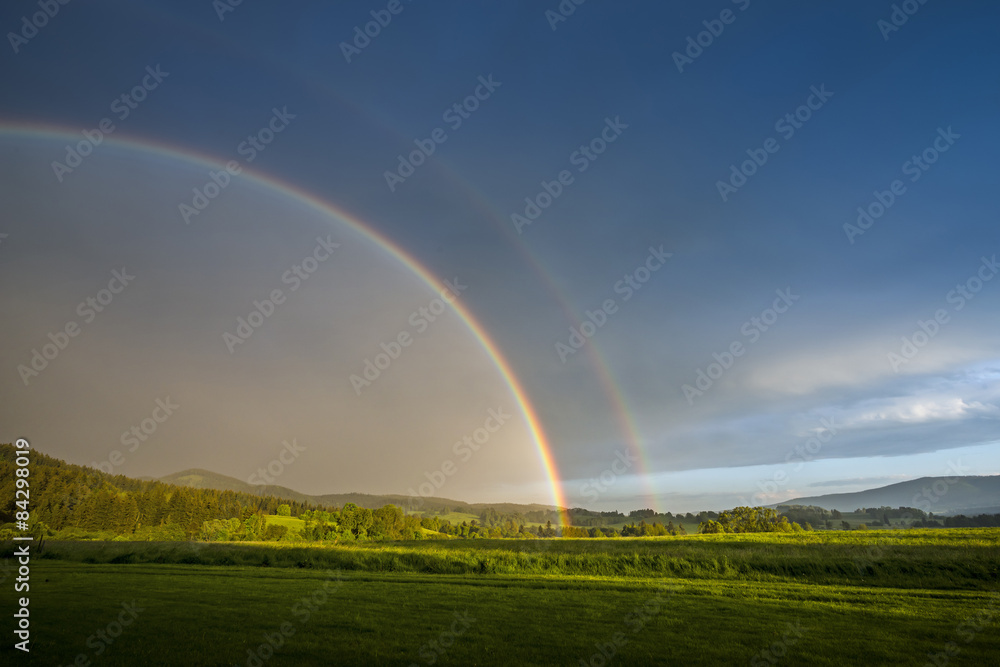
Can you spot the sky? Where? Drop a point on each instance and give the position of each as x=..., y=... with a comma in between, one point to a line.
x=656, y=254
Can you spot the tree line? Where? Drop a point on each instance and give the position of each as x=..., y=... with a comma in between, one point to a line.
x=74, y=501
x=749, y=520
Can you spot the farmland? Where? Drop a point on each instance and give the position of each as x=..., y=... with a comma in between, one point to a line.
x=837, y=597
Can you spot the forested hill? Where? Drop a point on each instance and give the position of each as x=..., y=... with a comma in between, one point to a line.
x=940, y=495
x=196, y=478
x=206, y=479
x=63, y=495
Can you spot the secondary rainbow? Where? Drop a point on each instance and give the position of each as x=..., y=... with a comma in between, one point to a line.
x=542, y=443
x=610, y=387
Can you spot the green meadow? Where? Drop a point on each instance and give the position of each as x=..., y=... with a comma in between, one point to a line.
x=824, y=598
x=296, y=525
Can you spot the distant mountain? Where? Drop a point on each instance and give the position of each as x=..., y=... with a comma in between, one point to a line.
x=206, y=479
x=197, y=478
x=940, y=495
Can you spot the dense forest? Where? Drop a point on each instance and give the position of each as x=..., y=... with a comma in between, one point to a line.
x=74, y=501
x=885, y=517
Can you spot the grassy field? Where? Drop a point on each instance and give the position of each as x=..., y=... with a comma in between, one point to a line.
x=860, y=597
x=294, y=524
x=458, y=517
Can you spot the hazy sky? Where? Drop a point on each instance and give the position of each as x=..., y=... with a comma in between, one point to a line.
x=733, y=251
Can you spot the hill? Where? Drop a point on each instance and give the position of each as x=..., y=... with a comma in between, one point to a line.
x=78, y=502
x=198, y=478
x=940, y=495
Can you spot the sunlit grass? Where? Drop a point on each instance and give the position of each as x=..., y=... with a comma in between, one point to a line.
x=199, y=615
x=960, y=558
x=858, y=597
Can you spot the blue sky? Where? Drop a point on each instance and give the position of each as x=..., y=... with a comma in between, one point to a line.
x=869, y=100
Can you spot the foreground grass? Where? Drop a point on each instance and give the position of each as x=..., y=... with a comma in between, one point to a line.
x=824, y=599
x=945, y=559
x=198, y=615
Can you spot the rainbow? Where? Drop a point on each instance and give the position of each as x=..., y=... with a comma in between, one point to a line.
x=611, y=389
x=542, y=443
x=606, y=381
x=609, y=386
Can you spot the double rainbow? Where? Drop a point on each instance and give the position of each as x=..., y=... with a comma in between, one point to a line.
x=542, y=443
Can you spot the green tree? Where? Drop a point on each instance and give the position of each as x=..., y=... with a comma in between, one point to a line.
x=284, y=510
x=753, y=520
x=711, y=526
x=387, y=523
x=274, y=532
x=356, y=520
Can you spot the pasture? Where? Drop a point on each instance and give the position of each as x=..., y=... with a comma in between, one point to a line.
x=827, y=598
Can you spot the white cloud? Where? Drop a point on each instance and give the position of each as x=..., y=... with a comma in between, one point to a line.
x=857, y=363
x=922, y=410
